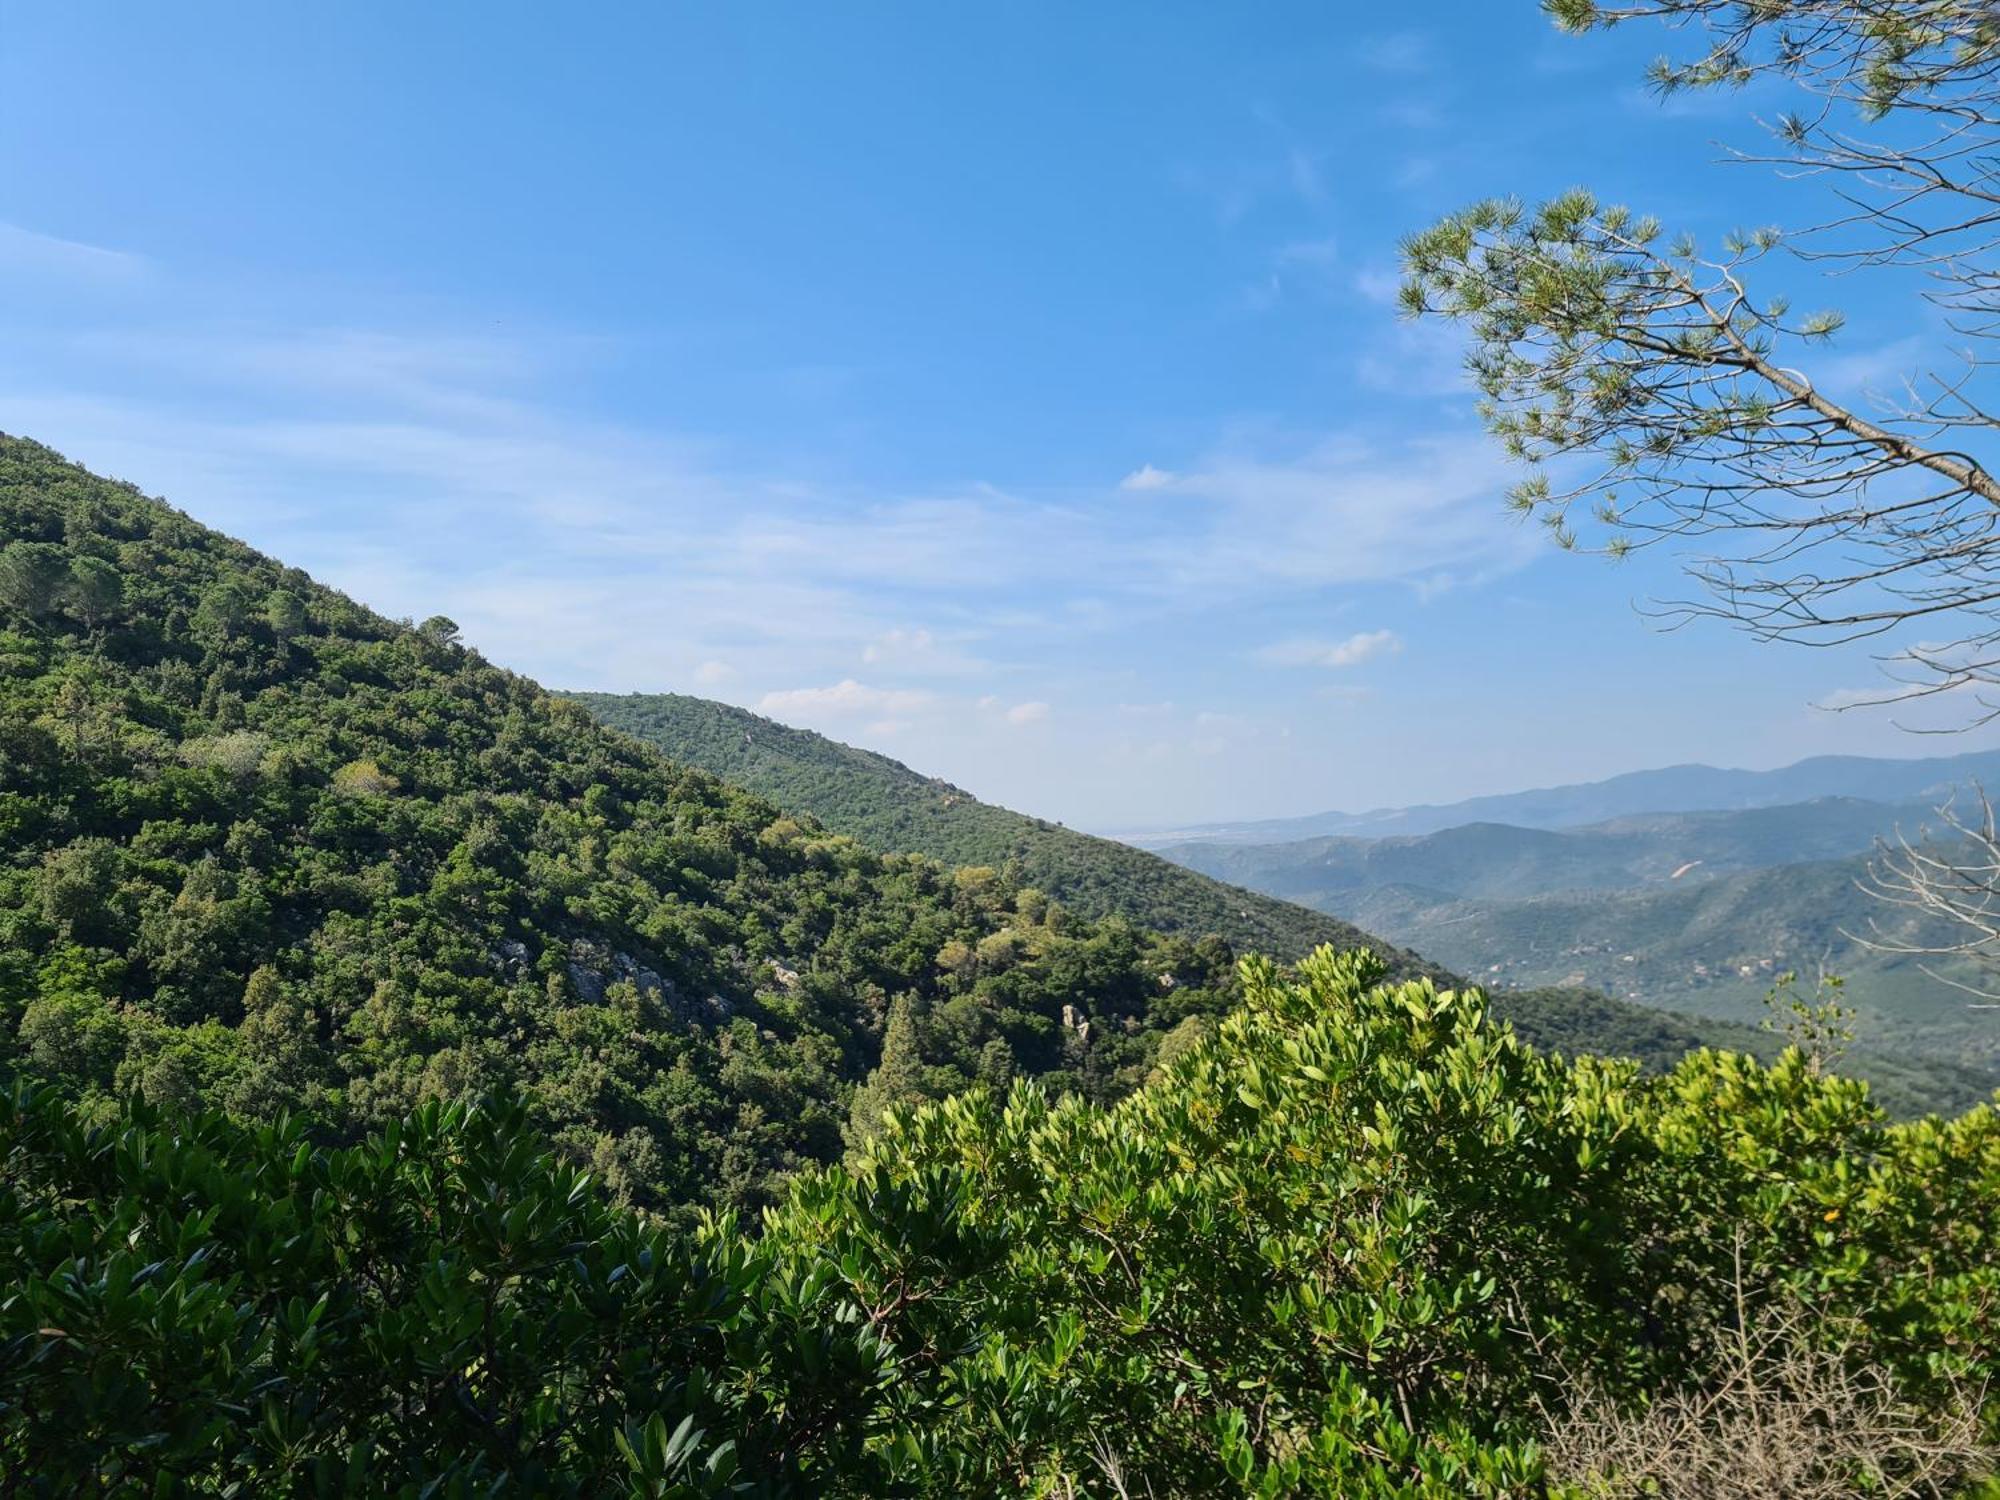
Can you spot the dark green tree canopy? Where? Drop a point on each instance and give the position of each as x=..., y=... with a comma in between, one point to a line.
x=261, y=848
x=1357, y=1243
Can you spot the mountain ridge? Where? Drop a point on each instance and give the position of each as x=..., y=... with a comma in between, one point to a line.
x=892, y=807
x=1488, y=859
x=887, y=804
x=262, y=848
x=1690, y=787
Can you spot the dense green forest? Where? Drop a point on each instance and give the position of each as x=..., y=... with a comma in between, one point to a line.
x=266, y=849
x=419, y=1088
x=1360, y=1243
x=888, y=806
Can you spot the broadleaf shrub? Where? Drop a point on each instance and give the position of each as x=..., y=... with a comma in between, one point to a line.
x=1360, y=1242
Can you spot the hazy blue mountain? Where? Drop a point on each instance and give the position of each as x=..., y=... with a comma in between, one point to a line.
x=1501, y=861
x=1697, y=912
x=1691, y=788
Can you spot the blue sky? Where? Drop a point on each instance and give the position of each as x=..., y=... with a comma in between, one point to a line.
x=1009, y=388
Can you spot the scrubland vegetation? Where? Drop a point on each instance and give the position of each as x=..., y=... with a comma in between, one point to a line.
x=1360, y=1242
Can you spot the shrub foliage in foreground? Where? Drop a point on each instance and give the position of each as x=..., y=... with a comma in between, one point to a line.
x=1361, y=1242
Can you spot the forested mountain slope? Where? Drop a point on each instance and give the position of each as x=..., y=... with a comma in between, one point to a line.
x=262, y=847
x=1712, y=948
x=1698, y=913
x=888, y=806
x=1359, y=1243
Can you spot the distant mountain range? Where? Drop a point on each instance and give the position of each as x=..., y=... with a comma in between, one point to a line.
x=1691, y=788
x=1697, y=911
x=1503, y=862
x=1431, y=893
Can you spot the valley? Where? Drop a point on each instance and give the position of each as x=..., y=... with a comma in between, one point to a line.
x=1698, y=911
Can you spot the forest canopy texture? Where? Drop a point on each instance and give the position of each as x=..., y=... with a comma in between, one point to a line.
x=1361, y=1242
x=269, y=851
x=421, y=1089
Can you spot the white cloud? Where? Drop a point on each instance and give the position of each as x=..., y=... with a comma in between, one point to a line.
x=433, y=470
x=570, y=548
x=1424, y=360
x=1294, y=175
x=1363, y=646
x=1342, y=511
x=1379, y=284
x=844, y=699
x=1307, y=181
x=1299, y=266
x=897, y=643
x=1146, y=477
x=1397, y=52
x=921, y=652
x=1415, y=113
x=1320, y=252
x=1884, y=376
x=26, y=252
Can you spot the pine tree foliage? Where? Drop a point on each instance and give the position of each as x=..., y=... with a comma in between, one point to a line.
x=898, y=1080
x=1662, y=391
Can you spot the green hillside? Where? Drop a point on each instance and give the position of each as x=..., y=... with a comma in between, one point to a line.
x=1359, y=1244
x=263, y=848
x=888, y=806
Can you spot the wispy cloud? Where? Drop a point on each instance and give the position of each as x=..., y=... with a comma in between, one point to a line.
x=592, y=554
x=1292, y=173
x=846, y=699
x=1307, y=266
x=1341, y=511
x=28, y=252
x=920, y=652
x=1890, y=375
x=1363, y=646
x=1415, y=359
x=1400, y=52
x=436, y=469
x=1378, y=284
x=1146, y=477
x=1415, y=112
